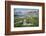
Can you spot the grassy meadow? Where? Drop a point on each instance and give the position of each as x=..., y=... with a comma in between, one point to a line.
x=32, y=20
x=26, y=18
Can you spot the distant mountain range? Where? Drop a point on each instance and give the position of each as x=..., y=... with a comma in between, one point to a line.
x=24, y=13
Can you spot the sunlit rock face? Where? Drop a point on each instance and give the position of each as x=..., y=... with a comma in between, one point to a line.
x=21, y=12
